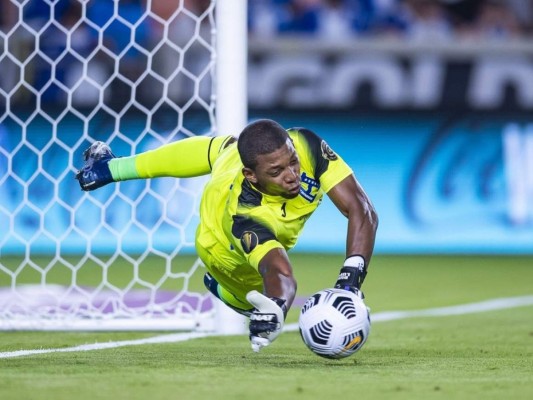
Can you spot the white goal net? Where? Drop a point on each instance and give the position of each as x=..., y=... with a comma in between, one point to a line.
x=134, y=74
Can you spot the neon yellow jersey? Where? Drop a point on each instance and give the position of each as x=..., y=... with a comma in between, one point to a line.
x=239, y=225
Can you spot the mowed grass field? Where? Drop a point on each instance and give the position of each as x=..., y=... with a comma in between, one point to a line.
x=482, y=355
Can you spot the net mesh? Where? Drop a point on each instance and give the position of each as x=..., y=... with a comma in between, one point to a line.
x=135, y=75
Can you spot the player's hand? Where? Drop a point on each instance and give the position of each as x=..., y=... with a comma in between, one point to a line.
x=266, y=321
x=352, y=275
x=95, y=172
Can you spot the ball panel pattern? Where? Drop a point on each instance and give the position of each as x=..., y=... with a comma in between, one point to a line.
x=334, y=323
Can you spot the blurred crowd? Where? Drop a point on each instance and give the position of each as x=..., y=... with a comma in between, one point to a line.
x=101, y=31
x=408, y=19
x=335, y=19
x=112, y=44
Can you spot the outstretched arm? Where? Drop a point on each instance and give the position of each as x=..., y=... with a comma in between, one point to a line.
x=352, y=201
x=182, y=159
x=278, y=279
x=271, y=306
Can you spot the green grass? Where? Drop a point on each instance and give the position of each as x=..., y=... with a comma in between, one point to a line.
x=477, y=356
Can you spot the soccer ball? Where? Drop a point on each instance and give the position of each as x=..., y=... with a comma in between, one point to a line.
x=334, y=323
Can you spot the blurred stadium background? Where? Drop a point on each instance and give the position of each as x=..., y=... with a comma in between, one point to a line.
x=430, y=102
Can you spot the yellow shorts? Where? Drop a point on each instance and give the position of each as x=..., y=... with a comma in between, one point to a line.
x=235, y=279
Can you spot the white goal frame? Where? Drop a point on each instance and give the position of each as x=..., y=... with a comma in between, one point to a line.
x=229, y=103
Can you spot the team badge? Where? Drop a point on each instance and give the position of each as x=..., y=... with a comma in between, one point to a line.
x=327, y=152
x=309, y=187
x=249, y=241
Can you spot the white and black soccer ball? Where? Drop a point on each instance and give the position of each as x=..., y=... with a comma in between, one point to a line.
x=334, y=323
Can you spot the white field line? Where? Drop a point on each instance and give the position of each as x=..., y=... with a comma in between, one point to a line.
x=470, y=308
x=484, y=306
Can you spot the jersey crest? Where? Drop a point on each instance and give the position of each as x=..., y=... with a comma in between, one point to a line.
x=308, y=187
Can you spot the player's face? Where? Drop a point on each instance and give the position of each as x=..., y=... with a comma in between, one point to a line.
x=277, y=173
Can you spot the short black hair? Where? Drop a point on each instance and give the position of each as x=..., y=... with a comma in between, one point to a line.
x=260, y=137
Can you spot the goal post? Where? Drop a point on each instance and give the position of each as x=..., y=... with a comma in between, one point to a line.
x=232, y=105
x=135, y=75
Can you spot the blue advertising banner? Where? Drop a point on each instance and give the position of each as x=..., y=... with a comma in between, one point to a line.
x=440, y=184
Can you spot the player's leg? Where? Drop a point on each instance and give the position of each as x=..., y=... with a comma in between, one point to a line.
x=226, y=296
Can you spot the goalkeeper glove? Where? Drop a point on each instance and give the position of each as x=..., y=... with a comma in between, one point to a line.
x=266, y=321
x=352, y=275
x=95, y=172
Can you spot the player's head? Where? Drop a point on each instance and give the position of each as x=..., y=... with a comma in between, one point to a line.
x=269, y=158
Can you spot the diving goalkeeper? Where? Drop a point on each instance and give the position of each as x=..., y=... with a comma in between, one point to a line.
x=263, y=188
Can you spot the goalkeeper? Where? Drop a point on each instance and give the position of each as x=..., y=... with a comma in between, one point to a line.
x=263, y=188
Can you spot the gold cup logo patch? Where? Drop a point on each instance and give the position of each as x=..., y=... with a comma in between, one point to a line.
x=249, y=241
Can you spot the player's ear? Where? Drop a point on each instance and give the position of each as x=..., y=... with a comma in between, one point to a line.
x=249, y=174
